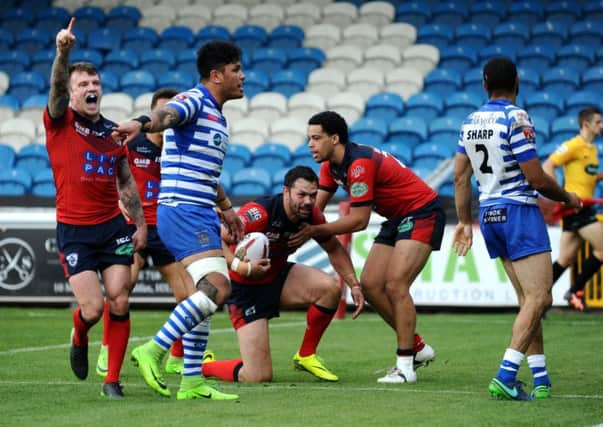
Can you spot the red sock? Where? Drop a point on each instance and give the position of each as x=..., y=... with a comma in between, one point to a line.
x=227, y=370
x=105, y=323
x=80, y=337
x=177, y=350
x=419, y=343
x=117, y=340
x=317, y=320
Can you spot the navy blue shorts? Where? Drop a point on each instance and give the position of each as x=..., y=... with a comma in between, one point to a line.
x=252, y=302
x=94, y=247
x=580, y=219
x=155, y=249
x=514, y=231
x=425, y=224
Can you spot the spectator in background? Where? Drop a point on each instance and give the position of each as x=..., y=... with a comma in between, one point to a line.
x=580, y=162
x=91, y=172
x=414, y=227
x=497, y=142
x=144, y=155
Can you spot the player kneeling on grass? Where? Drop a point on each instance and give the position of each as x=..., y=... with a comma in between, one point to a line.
x=260, y=287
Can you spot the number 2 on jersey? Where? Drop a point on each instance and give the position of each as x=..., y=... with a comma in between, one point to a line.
x=484, y=167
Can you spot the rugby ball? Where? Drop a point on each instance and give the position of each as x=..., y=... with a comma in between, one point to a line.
x=253, y=246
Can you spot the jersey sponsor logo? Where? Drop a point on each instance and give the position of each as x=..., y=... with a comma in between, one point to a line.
x=406, y=225
x=17, y=264
x=253, y=214
x=528, y=133
x=72, y=259
x=100, y=164
x=495, y=216
x=359, y=189
x=125, y=249
x=250, y=311
x=217, y=139
x=357, y=171
x=203, y=238
x=142, y=162
x=480, y=134
x=484, y=120
x=591, y=169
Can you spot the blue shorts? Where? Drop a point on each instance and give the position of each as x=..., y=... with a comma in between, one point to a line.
x=188, y=229
x=94, y=247
x=513, y=231
x=155, y=249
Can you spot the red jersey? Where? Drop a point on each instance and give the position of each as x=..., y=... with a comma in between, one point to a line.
x=144, y=160
x=267, y=215
x=374, y=177
x=84, y=158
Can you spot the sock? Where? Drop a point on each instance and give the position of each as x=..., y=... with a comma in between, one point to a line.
x=194, y=343
x=558, y=270
x=177, y=350
x=419, y=344
x=226, y=370
x=537, y=364
x=187, y=314
x=82, y=326
x=509, y=366
x=317, y=320
x=405, y=359
x=589, y=268
x=117, y=341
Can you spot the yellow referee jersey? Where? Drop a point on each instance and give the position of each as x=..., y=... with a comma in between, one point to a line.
x=580, y=165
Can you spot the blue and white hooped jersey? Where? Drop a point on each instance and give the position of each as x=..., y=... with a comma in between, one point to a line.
x=497, y=138
x=193, y=151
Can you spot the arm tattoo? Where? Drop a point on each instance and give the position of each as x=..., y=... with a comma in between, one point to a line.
x=207, y=288
x=128, y=192
x=168, y=117
x=58, y=100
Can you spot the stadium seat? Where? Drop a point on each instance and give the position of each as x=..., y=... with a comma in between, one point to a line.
x=411, y=130
x=157, y=61
x=14, y=61
x=459, y=105
x=413, y=12
x=251, y=181
x=140, y=39
x=256, y=81
x=9, y=105
x=122, y=18
x=290, y=131
x=550, y=35
x=431, y=153
x=26, y=83
x=473, y=35
x=88, y=55
x=32, y=158
x=230, y=16
x=473, y=80
x=14, y=182
x=426, y=105
x=138, y=82
x=6, y=39
x=323, y=36
x=575, y=56
x=109, y=81
x=400, y=150
x=545, y=150
x=592, y=79
x=186, y=60
x=586, y=33
x=511, y=35
x=535, y=57
x=438, y=34
x=266, y=15
x=542, y=128
x=400, y=34
x=384, y=57
x=32, y=40
x=176, y=38
x=362, y=35
x=7, y=157
x=529, y=81
x=41, y=62
x=458, y=58
x=345, y=58
x=445, y=129
x=442, y=82
x=158, y=17
x=560, y=80
x=422, y=57
x=369, y=131
x=118, y=106
x=226, y=180
x=250, y=131
x=193, y=16
x=365, y=81
x=33, y=107
x=349, y=104
x=526, y=12
x=562, y=11
x=544, y=104
x=179, y=80
x=52, y=19
x=249, y=37
x=235, y=109
x=211, y=33
x=377, y=13
x=104, y=40
x=386, y=106
x=564, y=128
x=305, y=59
x=304, y=14
x=326, y=82
x=304, y=105
x=340, y=14
x=286, y=37
x=496, y=50
x=240, y=152
x=17, y=19
x=89, y=18
x=268, y=106
x=404, y=81
x=449, y=13
x=579, y=100
x=268, y=59
x=278, y=180
x=120, y=61
x=593, y=10
x=271, y=157
x=288, y=82
x=4, y=82
x=489, y=12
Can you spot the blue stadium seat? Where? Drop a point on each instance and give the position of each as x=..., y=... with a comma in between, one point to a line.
x=211, y=33
x=6, y=39
x=299, y=152
x=186, y=60
x=579, y=100
x=88, y=55
x=527, y=13
x=473, y=35
x=413, y=12
x=288, y=82
x=278, y=180
x=593, y=10
x=268, y=59
x=536, y=57
x=458, y=58
x=14, y=182
x=438, y=35
x=369, y=131
x=232, y=165
x=52, y=19
x=286, y=37
x=140, y=39
x=123, y=18
x=271, y=156
x=430, y=154
x=157, y=61
x=575, y=56
x=176, y=38
x=104, y=40
x=26, y=83
x=592, y=79
x=251, y=181
x=445, y=129
x=542, y=128
x=451, y=13
x=459, y=105
x=32, y=158
x=442, y=81
x=43, y=183
x=497, y=50
x=249, y=189
x=544, y=104
x=473, y=80
x=308, y=161
x=89, y=18
x=181, y=80
x=241, y=152
x=562, y=11
x=250, y=37
x=109, y=81
x=32, y=40
x=226, y=180
x=560, y=80
x=446, y=189
x=10, y=101
x=426, y=105
x=564, y=128
x=137, y=82
x=14, y=61
x=400, y=150
x=305, y=59
x=17, y=19
x=489, y=12
x=36, y=101
x=410, y=130
x=529, y=81
x=120, y=61
x=586, y=33
x=42, y=60
x=550, y=35
x=256, y=81
x=7, y=156
x=510, y=35
x=385, y=106
x=545, y=150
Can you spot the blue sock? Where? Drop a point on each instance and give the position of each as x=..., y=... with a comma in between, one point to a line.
x=509, y=366
x=537, y=364
x=194, y=343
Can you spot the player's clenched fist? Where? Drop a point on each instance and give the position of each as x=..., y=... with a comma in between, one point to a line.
x=65, y=37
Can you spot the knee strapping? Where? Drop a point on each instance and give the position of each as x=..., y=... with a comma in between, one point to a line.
x=202, y=267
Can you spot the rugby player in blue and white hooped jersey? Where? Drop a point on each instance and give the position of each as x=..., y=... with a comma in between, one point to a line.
x=195, y=142
x=497, y=143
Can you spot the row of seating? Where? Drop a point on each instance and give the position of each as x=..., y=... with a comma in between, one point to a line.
x=19, y=182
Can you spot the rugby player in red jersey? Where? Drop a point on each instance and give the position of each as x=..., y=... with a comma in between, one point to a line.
x=415, y=223
x=91, y=174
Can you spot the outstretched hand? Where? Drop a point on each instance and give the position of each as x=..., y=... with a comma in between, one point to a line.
x=463, y=239
x=65, y=38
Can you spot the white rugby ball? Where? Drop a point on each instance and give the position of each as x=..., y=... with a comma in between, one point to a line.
x=253, y=246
